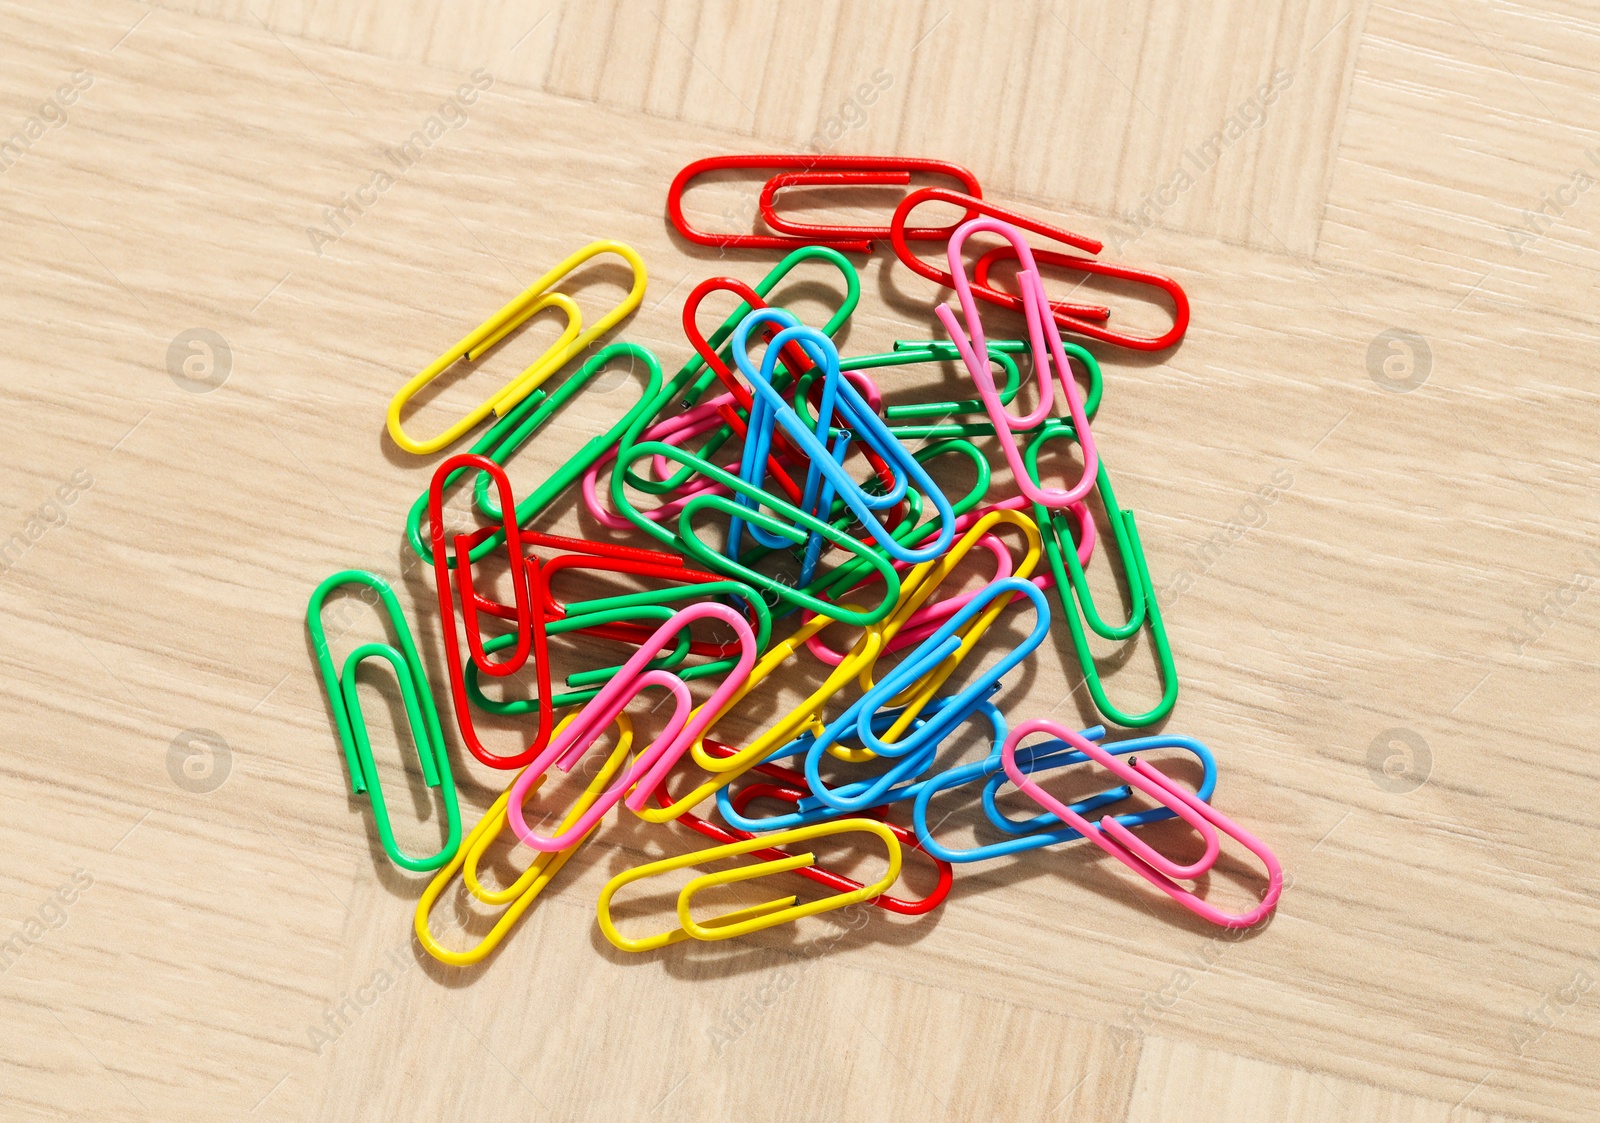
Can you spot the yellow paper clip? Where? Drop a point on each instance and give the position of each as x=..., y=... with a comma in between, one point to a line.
x=520, y=894
x=765, y=915
x=806, y=716
x=535, y=298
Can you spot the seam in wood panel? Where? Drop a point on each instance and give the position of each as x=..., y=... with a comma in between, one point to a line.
x=1343, y=270
x=917, y=75
x=1359, y=11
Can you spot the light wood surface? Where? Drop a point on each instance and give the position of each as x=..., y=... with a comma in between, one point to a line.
x=1429, y=572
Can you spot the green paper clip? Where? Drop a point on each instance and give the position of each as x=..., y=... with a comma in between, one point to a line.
x=1077, y=602
x=426, y=735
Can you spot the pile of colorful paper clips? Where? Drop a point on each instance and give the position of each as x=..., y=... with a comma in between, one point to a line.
x=825, y=523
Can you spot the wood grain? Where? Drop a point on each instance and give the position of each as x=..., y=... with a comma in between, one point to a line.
x=1426, y=573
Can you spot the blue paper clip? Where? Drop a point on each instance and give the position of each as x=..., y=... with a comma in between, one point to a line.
x=841, y=398
x=914, y=751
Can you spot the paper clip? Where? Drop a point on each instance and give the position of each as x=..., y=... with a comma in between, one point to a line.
x=823, y=463
x=810, y=809
x=1044, y=830
x=528, y=617
x=917, y=587
x=689, y=384
x=537, y=500
x=767, y=407
x=722, y=414
x=1077, y=602
x=788, y=786
x=471, y=601
x=537, y=296
x=1078, y=318
x=787, y=519
x=931, y=418
x=545, y=699
x=620, y=618
x=794, y=359
x=426, y=735
x=516, y=428
x=695, y=377
x=854, y=573
x=1000, y=352
x=1065, y=313
x=795, y=368
x=1045, y=342
x=686, y=723
x=648, y=564
x=519, y=895
x=768, y=914
x=1121, y=843
x=914, y=750
x=839, y=171
x=926, y=578
x=617, y=618
x=823, y=234
x=919, y=623
x=727, y=767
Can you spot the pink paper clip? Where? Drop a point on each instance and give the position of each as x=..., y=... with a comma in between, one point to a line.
x=1044, y=339
x=652, y=764
x=1122, y=844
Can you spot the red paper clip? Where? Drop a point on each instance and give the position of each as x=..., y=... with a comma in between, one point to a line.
x=784, y=790
x=528, y=613
x=608, y=556
x=841, y=171
x=1072, y=317
x=471, y=602
x=599, y=549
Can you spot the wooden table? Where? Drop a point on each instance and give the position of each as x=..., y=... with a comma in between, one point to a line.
x=1365, y=482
